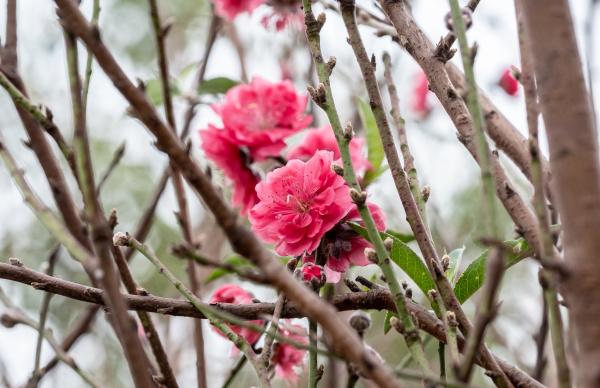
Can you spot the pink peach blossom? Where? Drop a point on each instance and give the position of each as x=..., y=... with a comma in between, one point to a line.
x=231, y=293
x=509, y=83
x=342, y=246
x=260, y=115
x=299, y=203
x=234, y=162
x=287, y=358
x=419, y=102
x=229, y=9
x=324, y=139
x=283, y=16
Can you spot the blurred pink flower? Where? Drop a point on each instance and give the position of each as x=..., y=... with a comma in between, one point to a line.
x=287, y=358
x=231, y=293
x=229, y=9
x=260, y=115
x=299, y=203
x=234, y=162
x=324, y=139
x=509, y=83
x=419, y=102
x=342, y=247
x=284, y=16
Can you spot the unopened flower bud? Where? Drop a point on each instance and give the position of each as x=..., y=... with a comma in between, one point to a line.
x=445, y=262
x=120, y=239
x=425, y=193
x=397, y=325
x=360, y=321
x=312, y=274
x=451, y=318
x=371, y=255
x=348, y=131
x=432, y=294
x=358, y=197
x=389, y=243
x=338, y=169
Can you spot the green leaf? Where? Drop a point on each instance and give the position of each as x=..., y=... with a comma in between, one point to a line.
x=455, y=259
x=154, y=90
x=405, y=258
x=218, y=85
x=235, y=260
x=404, y=237
x=374, y=145
x=411, y=264
x=472, y=278
x=387, y=324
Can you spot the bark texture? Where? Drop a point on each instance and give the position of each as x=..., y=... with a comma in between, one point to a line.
x=572, y=139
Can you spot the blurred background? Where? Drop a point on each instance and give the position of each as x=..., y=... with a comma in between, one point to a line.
x=245, y=49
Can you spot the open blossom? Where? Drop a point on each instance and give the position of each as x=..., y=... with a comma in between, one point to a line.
x=299, y=203
x=261, y=114
x=229, y=9
x=419, y=102
x=342, y=247
x=234, y=162
x=509, y=83
x=288, y=359
x=324, y=139
x=231, y=293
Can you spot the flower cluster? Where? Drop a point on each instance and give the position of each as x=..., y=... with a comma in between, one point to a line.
x=303, y=207
x=256, y=117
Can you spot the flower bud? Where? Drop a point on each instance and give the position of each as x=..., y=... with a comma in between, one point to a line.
x=338, y=169
x=360, y=321
x=389, y=243
x=348, y=131
x=358, y=197
x=371, y=255
x=445, y=262
x=312, y=274
x=120, y=239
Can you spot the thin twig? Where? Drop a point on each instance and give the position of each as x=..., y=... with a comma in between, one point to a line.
x=90, y=58
x=44, y=311
x=114, y=162
x=16, y=316
x=495, y=264
x=265, y=356
x=146, y=321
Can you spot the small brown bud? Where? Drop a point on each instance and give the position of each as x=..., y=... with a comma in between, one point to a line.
x=397, y=325
x=121, y=239
x=338, y=169
x=451, y=318
x=348, y=131
x=141, y=291
x=371, y=255
x=360, y=321
x=389, y=243
x=14, y=261
x=445, y=262
x=321, y=20
x=425, y=193
x=7, y=320
x=358, y=197
x=432, y=294
x=113, y=219
x=330, y=65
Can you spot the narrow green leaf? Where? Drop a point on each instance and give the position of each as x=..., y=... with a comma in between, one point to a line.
x=472, y=278
x=374, y=145
x=154, y=90
x=412, y=265
x=405, y=258
x=404, y=237
x=218, y=85
x=235, y=260
x=387, y=324
x=455, y=259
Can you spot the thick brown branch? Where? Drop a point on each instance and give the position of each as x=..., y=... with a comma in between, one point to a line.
x=377, y=299
x=573, y=144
